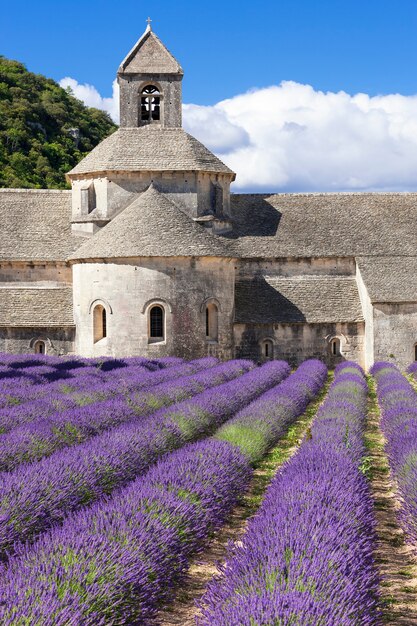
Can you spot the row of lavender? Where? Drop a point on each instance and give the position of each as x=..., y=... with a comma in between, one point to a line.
x=306, y=558
x=116, y=561
x=29, y=370
x=398, y=401
x=41, y=437
x=36, y=495
x=80, y=385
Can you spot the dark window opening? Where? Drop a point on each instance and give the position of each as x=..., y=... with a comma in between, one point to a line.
x=156, y=323
x=40, y=347
x=415, y=352
x=212, y=322
x=104, y=322
x=335, y=347
x=150, y=104
x=268, y=349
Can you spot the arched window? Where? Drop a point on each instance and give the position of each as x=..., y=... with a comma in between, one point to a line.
x=212, y=322
x=415, y=352
x=335, y=346
x=150, y=104
x=268, y=349
x=40, y=347
x=99, y=322
x=156, y=323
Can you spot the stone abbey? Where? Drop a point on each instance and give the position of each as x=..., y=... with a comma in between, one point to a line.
x=150, y=254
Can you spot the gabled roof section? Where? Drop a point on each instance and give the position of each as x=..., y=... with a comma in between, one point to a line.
x=150, y=56
x=36, y=225
x=150, y=148
x=311, y=299
x=36, y=306
x=152, y=226
x=389, y=278
x=324, y=225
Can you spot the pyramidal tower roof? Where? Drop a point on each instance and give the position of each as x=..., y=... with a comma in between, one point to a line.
x=149, y=56
x=141, y=230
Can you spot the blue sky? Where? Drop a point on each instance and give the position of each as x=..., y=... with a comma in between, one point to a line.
x=225, y=47
x=294, y=95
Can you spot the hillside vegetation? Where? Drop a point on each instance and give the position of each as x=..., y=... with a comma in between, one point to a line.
x=44, y=129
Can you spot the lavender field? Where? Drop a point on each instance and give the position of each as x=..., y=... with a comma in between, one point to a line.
x=117, y=474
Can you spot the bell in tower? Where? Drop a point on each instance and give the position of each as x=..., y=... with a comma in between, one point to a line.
x=150, y=85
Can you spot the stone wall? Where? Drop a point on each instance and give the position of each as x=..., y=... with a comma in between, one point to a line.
x=368, y=314
x=297, y=342
x=128, y=288
x=26, y=272
x=196, y=194
x=131, y=86
x=58, y=341
x=395, y=333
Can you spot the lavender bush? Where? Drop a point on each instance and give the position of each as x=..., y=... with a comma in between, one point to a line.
x=43, y=400
x=306, y=558
x=116, y=562
x=36, y=495
x=259, y=425
x=64, y=428
x=398, y=401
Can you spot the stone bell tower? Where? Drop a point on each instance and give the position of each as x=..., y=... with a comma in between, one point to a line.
x=150, y=85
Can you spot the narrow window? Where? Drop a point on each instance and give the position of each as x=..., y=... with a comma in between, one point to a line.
x=335, y=347
x=212, y=322
x=40, y=347
x=415, y=352
x=268, y=349
x=156, y=323
x=150, y=104
x=99, y=322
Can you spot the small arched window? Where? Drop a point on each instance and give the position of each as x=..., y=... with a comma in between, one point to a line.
x=150, y=104
x=40, y=347
x=156, y=323
x=99, y=322
x=268, y=349
x=212, y=322
x=335, y=346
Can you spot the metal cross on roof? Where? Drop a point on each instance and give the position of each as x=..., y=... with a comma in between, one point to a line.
x=149, y=23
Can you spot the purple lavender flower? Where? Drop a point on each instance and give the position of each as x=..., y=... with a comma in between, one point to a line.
x=116, y=561
x=307, y=555
x=43, y=437
x=36, y=495
x=398, y=401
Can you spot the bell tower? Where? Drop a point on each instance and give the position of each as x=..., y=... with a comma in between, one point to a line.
x=150, y=85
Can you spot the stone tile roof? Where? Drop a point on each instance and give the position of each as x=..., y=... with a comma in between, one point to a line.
x=312, y=299
x=390, y=278
x=36, y=306
x=35, y=225
x=149, y=56
x=314, y=225
x=150, y=148
x=151, y=226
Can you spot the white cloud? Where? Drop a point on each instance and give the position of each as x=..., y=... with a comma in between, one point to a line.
x=290, y=137
x=91, y=97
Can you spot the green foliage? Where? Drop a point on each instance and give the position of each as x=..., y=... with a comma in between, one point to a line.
x=37, y=123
